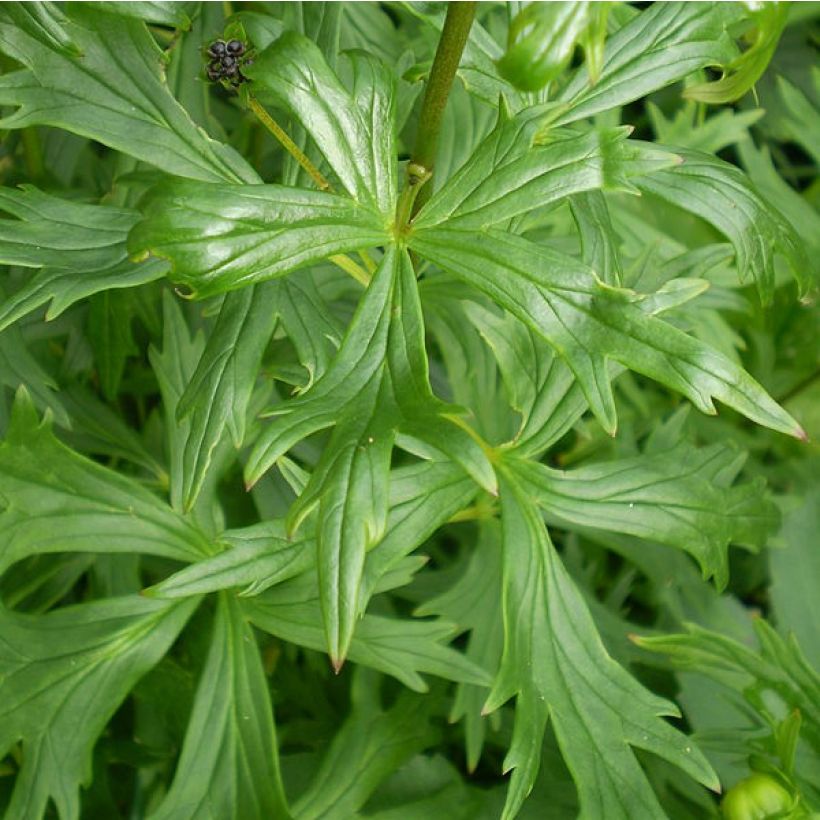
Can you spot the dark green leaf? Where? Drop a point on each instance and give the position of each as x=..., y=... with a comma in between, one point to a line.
x=112, y=91
x=229, y=763
x=354, y=130
x=62, y=676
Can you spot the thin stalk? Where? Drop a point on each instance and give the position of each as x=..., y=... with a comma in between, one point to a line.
x=343, y=261
x=287, y=143
x=451, y=44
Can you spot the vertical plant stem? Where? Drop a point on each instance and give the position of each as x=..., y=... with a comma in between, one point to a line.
x=451, y=44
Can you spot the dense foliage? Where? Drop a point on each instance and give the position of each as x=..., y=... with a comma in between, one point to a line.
x=349, y=466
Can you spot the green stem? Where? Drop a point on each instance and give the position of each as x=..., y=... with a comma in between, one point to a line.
x=451, y=44
x=287, y=143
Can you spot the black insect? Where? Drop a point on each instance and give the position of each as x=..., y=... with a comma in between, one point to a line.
x=227, y=61
x=217, y=48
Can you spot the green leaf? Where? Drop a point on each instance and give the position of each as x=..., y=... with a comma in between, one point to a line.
x=265, y=232
x=793, y=570
x=219, y=391
x=173, y=15
x=541, y=41
x=369, y=747
x=112, y=91
x=109, y=332
x=54, y=500
x=62, y=677
x=80, y=248
x=675, y=497
x=599, y=242
x=663, y=44
x=522, y=165
x=802, y=118
x=723, y=195
x=229, y=763
x=377, y=384
x=473, y=602
x=402, y=648
x=538, y=383
x=353, y=130
x=556, y=665
x=256, y=558
x=741, y=73
x=588, y=322
x=779, y=666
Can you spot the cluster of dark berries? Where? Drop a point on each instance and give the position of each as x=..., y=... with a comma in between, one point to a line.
x=227, y=61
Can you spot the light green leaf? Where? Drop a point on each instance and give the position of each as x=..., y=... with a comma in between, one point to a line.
x=541, y=41
x=676, y=497
x=229, y=764
x=556, y=665
x=54, y=500
x=588, y=322
x=353, y=130
x=256, y=558
x=723, y=195
x=538, y=383
x=599, y=242
x=62, y=677
x=222, y=237
x=173, y=14
x=663, y=44
x=778, y=666
x=80, y=248
x=523, y=165
x=113, y=91
x=377, y=384
x=741, y=73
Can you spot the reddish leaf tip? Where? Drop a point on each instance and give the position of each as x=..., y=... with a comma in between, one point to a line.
x=337, y=664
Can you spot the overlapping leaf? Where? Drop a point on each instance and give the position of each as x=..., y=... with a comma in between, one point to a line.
x=522, y=165
x=675, y=497
x=375, y=386
x=588, y=322
x=62, y=676
x=80, y=249
x=54, y=500
x=663, y=44
x=222, y=237
x=110, y=88
x=353, y=130
x=555, y=664
x=229, y=763
x=724, y=196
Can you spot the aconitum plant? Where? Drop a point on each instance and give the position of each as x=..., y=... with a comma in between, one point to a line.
x=407, y=409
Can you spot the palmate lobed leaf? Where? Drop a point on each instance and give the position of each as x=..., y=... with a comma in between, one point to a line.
x=79, y=248
x=221, y=237
x=555, y=663
x=675, y=497
x=54, y=500
x=588, y=322
x=376, y=386
x=112, y=89
x=62, y=676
